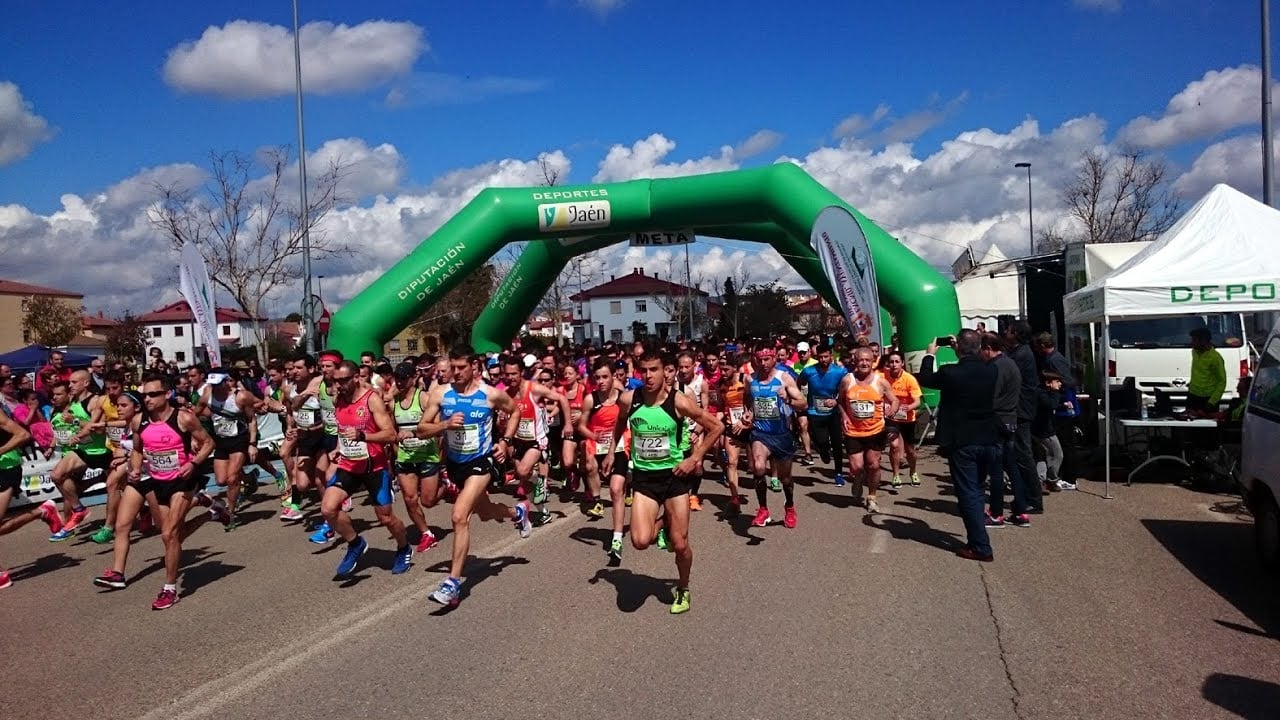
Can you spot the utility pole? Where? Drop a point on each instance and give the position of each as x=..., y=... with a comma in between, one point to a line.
x=1267, y=146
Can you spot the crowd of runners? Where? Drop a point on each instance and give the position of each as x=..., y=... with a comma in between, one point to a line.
x=471, y=434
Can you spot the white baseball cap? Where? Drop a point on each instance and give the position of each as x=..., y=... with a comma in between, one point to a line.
x=802, y=346
x=530, y=360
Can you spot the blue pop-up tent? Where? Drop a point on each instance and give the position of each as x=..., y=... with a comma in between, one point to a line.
x=34, y=357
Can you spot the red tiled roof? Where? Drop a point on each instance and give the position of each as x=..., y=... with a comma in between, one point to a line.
x=10, y=287
x=181, y=312
x=97, y=321
x=813, y=305
x=637, y=284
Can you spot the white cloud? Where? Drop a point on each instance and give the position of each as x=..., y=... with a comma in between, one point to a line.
x=761, y=142
x=601, y=8
x=1219, y=101
x=1103, y=5
x=245, y=59
x=1236, y=162
x=857, y=124
x=644, y=160
x=21, y=129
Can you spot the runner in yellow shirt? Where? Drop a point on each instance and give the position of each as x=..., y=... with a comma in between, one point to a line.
x=902, y=426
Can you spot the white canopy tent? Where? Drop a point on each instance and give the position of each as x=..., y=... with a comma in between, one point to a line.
x=1220, y=257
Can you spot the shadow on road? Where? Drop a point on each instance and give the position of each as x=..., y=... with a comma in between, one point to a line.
x=46, y=564
x=190, y=556
x=1246, y=697
x=843, y=500
x=595, y=535
x=933, y=505
x=1220, y=555
x=475, y=571
x=905, y=528
x=635, y=589
x=194, y=578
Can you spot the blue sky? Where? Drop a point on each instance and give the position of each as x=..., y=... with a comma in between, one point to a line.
x=913, y=112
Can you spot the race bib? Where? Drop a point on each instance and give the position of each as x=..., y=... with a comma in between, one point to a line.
x=827, y=404
x=901, y=415
x=736, y=414
x=353, y=449
x=525, y=430
x=224, y=427
x=64, y=436
x=412, y=443
x=163, y=461
x=575, y=415
x=863, y=409
x=766, y=408
x=653, y=447
x=115, y=434
x=330, y=417
x=464, y=440
x=304, y=418
x=604, y=443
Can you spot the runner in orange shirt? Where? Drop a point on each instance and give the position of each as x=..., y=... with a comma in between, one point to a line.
x=865, y=400
x=902, y=426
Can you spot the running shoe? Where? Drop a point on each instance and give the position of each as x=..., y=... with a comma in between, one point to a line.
x=681, y=604
x=1022, y=521
x=346, y=505
x=775, y=484
x=572, y=483
x=789, y=517
x=915, y=479
x=840, y=481
x=286, y=500
x=427, y=542
x=896, y=482
x=971, y=554
x=49, y=514
x=615, y=550
x=762, y=518
x=993, y=522
x=661, y=540
x=404, y=560
x=521, y=520
x=77, y=519
x=695, y=503
x=5, y=580
x=807, y=460
x=63, y=534
x=349, y=561
x=203, y=499
x=450, y=491
x=248, y=486
x=232, y=524
x=219, y=513
x=165, y=600
x=145, y=525
x=735, y=506
x=291, y=514
x=1066, y=485
x=596, y=511
x=628, y=498
x=447, y=593
x=872, y=507
x=539, y=490
x=540, y=518
x=103, y=535
x=323, y=535
x=110, y=579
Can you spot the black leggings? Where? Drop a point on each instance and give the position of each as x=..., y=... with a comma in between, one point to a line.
x=827, y=437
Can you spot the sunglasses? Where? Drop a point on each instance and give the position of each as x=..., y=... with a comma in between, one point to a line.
x=341, y=380
x=156, y=393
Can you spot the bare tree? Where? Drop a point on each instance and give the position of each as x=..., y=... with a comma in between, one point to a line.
x=451, y=317
x=1119, y=198
x=679, y=299
x=248, y=232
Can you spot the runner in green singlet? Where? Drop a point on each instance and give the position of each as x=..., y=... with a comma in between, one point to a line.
x=81, y=436
x=417, y=463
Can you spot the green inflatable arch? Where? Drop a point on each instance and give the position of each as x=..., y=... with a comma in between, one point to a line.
x=775, y=205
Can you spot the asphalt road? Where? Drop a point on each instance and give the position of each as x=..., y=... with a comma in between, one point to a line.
x=1149, y=605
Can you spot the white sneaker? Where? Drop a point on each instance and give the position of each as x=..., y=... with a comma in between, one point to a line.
x=346, y=505
x=1064, y=485
x=872, y=508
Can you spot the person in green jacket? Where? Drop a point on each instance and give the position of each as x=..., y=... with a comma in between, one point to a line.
x=1208, y=374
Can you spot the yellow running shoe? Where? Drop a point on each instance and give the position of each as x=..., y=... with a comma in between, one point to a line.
x=681, y=605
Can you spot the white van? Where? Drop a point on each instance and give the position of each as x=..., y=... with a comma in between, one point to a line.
x=1260, y=461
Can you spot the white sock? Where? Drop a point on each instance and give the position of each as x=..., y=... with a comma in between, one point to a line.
x=617, y=536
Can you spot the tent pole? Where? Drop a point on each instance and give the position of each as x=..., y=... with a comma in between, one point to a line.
x=1106, y=400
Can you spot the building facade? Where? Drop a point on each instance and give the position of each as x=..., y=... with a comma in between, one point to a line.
x=642, y=305
x=173, y=330
x=14, y=299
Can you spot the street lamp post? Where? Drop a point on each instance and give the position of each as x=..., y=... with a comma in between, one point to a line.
x=309, y=313
x=1031, y=223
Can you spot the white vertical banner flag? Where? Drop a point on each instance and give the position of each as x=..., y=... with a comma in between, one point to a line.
x=194, y=284
x=846, y=260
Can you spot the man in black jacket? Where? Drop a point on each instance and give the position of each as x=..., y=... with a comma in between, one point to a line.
x=1016, y=336
x=1005, y=403
x=966, y=433
x=1050, y=359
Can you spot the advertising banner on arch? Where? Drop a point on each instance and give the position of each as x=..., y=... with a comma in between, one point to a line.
x=846, y=260
x=194, y=284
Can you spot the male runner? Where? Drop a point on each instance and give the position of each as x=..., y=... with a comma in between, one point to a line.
x=772, y=396
x=304, y=430
x=902, y=424
x=526, y=432
x=80, y=435
x=172, y=445
x=822, y=381
x=693, y=386
x=364, y=428
x=655, y=415
x=417, y=460
x=115, y=430
x=463, y=411
x=235, y=438
x=866, y=399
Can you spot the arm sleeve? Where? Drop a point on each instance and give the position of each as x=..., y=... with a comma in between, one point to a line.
x=928, y=377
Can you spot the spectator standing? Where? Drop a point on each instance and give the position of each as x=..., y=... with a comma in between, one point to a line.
x=1208, y=374
x=966, y=433
x=1068, y=409
x=1008, y=392
x=1017, y=335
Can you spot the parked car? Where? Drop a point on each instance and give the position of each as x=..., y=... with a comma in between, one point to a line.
x=1260, y=461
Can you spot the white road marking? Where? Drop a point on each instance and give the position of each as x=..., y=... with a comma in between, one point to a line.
x=879, y=541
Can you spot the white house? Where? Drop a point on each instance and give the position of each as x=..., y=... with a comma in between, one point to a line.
x=544, y=326
x=172, y=328
x=616, y=309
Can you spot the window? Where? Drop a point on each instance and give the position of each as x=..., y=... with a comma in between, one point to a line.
x=180, y=356
x=615, y=307
x=1264, y=396
x=155, y=332
x=226, y=331
x=615, y=335
x=393, y=346
x=1175, y=332
x=26, y=305
x=26, y=337
x=411, y=345
x=642, y=306
x=177, y=331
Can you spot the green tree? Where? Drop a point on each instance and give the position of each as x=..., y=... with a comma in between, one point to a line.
x=51, y=321
x=764, y=310
x=128, y=340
